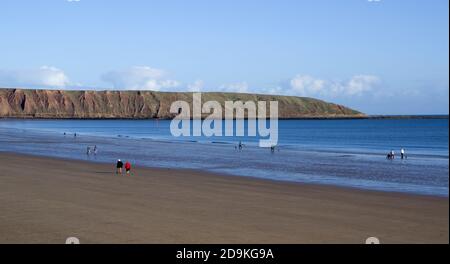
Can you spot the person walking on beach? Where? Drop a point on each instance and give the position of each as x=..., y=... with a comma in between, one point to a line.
x=128, y=167
x=402, y=153
x=119, y=166
x=88, y=151
x=95, y=150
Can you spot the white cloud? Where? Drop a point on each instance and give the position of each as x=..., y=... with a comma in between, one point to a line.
x=45, y=77
x=360, y=84
x=239, y=87
x=197, y=86
x=140, y=78
x=305, y=85
x=148, y=78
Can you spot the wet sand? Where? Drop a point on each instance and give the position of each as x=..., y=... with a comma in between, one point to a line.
x=46, y=200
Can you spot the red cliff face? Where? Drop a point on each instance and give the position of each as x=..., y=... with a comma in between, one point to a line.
x=21, y=103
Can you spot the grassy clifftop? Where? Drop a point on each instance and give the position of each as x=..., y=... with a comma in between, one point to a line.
x=25, y=103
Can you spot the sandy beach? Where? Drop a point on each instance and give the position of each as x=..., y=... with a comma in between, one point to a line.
x=46, y=200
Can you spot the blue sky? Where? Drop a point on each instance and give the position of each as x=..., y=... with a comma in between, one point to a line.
x=380, y=57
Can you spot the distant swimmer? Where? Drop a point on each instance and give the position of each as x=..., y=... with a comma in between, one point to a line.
x=75, y=135
x=403, y=154
x=240, y=146
x=119, y=166
x=128, y=167
x=272, y=149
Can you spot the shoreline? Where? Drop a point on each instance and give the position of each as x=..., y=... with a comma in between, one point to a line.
x=300, y=163
x=46, y=200
x=230, y=175
x=365, y=117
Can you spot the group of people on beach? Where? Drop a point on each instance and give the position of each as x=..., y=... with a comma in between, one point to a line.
x=391, y=154
x=120, y=166
x=91, y=150
x=241, y=145
x=74, y=134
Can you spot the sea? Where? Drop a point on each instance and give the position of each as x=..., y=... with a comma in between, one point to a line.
x=348, y=153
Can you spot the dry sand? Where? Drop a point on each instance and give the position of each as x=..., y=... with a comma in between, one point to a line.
x=46, y=200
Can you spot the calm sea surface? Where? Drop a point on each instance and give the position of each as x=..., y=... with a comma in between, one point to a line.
x=338, y=152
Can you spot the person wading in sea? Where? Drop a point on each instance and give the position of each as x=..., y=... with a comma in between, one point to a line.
x=272, y=149
x=392, y=154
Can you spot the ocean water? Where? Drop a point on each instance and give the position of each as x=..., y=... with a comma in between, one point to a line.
x=348, y=153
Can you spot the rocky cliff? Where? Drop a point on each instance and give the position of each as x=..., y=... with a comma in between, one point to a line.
x=23, y=103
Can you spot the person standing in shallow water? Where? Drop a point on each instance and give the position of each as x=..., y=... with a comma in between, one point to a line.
x=119, y=166
x=402, y=153
x=272, y=149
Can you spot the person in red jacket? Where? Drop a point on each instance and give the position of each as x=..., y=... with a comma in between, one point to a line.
x=128, y=167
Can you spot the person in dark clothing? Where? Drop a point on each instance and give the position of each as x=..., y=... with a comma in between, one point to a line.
x=272, y=149
x=119, y=166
